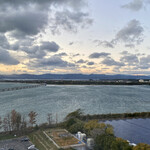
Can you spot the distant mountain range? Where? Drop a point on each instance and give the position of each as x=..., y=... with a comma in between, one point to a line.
x=72, y=77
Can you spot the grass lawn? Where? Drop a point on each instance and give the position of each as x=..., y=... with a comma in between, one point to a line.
x=6, y=137
x=41, y=141
x=62, y=137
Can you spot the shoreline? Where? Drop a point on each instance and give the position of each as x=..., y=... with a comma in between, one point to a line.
x=119, y=116
x=79, y=82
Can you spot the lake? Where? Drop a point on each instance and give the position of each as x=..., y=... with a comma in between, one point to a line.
x=63, y=99
x=93, y=99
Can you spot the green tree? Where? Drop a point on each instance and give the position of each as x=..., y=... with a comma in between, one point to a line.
x=75, y=114
x=78, y=126
x=94, y=128
x=120, y=144
x=142, y=146
x=104, y=142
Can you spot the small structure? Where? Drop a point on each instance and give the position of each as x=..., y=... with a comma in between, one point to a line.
x=90, y=143
x=132, y=144
x=61, y=138
x=141, y=81
x=81, y=136
x=31, y=147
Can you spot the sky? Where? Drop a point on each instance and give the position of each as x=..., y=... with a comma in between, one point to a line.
x=75, y=36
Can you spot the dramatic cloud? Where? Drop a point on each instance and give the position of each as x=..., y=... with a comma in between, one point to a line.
x=130, y=59
x=53, y=61
x=131, y=34
x=3, y=42
x=44, y=4
x=111, y=62
x=21, y=18
x=135, y=5
x=49, y=46
x=23, y=23
x=69, y=21
x=7, y=59
x=136, y=61
x=99, y=55
x=37, y=51
x=34, y=52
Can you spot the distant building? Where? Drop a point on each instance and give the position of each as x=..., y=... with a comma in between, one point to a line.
x=141, y=80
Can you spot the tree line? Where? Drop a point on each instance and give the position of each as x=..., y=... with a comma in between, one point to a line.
x=103, y=134
x=116, y=116
x=15, y=122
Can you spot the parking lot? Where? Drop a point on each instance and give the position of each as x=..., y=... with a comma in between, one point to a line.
x=15, y=144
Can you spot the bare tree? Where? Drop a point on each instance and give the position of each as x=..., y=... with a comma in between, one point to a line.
x=49, y=118
x=1, y=122
x=32, y=118
x=23, y=123
x=18, y=121
x=13, y=119
x=7, y=123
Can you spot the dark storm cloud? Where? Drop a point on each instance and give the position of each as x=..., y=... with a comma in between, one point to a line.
x=111, y=62
x=135, y=5
x=7, y=59
x=99, y=55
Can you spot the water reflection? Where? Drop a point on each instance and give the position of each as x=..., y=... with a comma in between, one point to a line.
x=134, y=130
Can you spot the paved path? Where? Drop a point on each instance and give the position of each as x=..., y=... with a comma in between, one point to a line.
x=15, y=144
